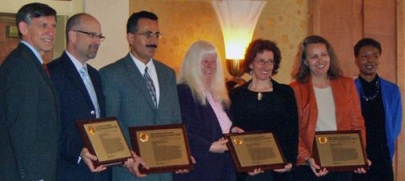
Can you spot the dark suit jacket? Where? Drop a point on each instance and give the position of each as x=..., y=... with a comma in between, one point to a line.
x=128, y=98
x=202, y=130
x=76, y=104
x=29, y=119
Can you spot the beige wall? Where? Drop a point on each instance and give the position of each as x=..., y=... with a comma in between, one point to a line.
x=184, y=22
x=113, y=16
x=62, y=7
x=64, y=10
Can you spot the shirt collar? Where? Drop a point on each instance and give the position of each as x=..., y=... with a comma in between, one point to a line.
x=35, y=51
x=141, y=66
x=76, y=62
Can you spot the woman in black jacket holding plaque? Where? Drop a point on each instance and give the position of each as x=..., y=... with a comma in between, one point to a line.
x=263, y=104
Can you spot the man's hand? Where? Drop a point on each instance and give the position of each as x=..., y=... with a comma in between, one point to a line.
x=88, y=159
x=132, y=164
x=181, y=171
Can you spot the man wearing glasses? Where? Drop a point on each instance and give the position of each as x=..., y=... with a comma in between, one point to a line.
x=140, y=90
x=80, y=96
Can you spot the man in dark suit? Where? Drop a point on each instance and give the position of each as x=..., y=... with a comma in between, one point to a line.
x=29, y=115
x=140, y=97
x=80, y=97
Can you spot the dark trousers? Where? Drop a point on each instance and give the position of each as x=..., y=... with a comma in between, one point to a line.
x=304, y=173
x=266, y=176
x=381, y=164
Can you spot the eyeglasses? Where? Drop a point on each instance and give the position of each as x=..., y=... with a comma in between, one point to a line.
x=149, y=34
x=92, y=34
x=264, y=62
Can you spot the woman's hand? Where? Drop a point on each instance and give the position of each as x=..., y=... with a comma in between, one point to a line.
x=237, y=130
x=362, y=170
x=256, y=172
x=286, y=168
x=315, y=167
x=219, y=146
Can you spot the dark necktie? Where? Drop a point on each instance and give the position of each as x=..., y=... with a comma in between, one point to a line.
x=46, y=69
x=151, y=86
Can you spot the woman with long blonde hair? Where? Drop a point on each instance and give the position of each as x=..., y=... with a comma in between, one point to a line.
x=204, y=102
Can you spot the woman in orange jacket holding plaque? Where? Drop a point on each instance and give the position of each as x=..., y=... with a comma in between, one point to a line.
x=326, y=101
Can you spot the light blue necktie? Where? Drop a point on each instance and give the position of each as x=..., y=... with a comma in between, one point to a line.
x=90, y=89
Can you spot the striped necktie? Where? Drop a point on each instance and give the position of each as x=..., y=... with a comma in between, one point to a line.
x=151, y=86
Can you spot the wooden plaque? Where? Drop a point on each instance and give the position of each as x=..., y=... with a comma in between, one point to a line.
x=104, y=138
x=339, y=150
x=164, y=148
x=255, y=150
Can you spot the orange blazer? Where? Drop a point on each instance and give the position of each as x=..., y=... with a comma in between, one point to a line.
x=348, y=112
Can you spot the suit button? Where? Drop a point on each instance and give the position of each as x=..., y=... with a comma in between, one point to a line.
x=92, y=112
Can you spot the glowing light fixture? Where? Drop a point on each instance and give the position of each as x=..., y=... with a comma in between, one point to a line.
x=238, y=19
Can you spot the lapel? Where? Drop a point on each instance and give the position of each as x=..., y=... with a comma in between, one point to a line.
x=338, y=92
x=29, y=55
x=162, y=75
x=209, y=111
x=309, y=96
x=95, y=79
x=74, y=76
x=135, y=76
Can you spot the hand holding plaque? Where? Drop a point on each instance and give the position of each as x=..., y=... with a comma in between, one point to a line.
x=104, y=139
x=339, y=150
x=255, y=150
x=164, y=148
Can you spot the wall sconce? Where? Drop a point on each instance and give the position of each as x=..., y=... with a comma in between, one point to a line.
x=238, y=20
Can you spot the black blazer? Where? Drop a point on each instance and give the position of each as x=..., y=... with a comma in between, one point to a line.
x=29, y=119
x=203, y=129
x=76, y=104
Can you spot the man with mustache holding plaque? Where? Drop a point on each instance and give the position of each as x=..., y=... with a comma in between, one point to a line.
x=140, y=91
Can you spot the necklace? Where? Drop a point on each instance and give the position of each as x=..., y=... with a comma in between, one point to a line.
x=372, y=97
x=268, y=88
x=260, y=95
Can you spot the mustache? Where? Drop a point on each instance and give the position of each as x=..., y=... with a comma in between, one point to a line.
x=151, y=46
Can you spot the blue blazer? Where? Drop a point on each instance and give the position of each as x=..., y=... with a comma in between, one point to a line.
x=391, y=97
x=29, y=119
x=128, y=98
x=76, y=104
x=202, y=130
